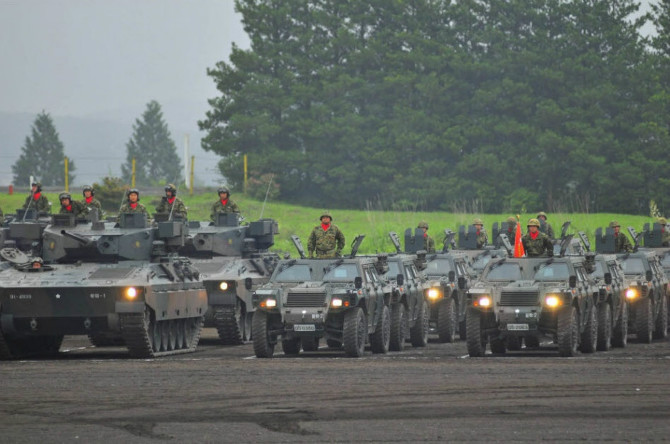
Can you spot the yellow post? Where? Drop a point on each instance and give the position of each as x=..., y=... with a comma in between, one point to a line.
x=191, y=189
x=67, y=184
x=245, y=174
x=132, y=175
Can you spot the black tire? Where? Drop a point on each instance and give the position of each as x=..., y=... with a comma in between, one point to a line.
x=355, y=332
x=644, y=320
x=418, y=334
x=380, y=339
x=291, y=346
x=447, y=320
x=398, y=328
x=264, y=346
x=310, y=343
x=604, y=327
x=568, y=331
x=498, y=345
x=462, y=330
x=332, y=343
x=661, y=330
x=513, y=343
x=620, y=331
x=531, y=341
x=589, y=339
x=475, y=342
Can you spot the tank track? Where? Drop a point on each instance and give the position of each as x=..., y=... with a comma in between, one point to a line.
x=228, y=326
x=146, y=338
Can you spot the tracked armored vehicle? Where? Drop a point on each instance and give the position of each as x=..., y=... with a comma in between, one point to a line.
x=233, y=260
x=95, y=278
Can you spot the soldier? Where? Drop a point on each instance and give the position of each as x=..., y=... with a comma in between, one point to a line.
x=545, y=227
x=326, y=239
x=621, y=242
x=68, y=206
x=90, y=202
x=482, y=237
x=171, y=203
x=665, y=234
x=39, y=201
x=132, y=205
x=224, y=204
x=428, y=242
x=535, y=242
x=511, y=229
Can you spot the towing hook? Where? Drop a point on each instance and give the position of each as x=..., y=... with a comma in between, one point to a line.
x=33, y=324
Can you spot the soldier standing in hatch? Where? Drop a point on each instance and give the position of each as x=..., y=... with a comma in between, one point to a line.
x=535, y=242
x=224, y=204
x=133, y=204
x=545, y=227
x=511, y=229
x=428, y=242
x=37, y=200
x=170, y=201
x=68, y=206
x=90, y=202
x=621, y=242
x=482, y=237
x=326, y=239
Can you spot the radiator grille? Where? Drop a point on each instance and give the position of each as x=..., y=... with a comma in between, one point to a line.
x=519, y=298
x=305, y=300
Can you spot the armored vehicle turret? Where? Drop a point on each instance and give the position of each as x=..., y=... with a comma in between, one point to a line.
x=467, y=245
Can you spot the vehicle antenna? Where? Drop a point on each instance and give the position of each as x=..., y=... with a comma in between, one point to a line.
x=267, y=192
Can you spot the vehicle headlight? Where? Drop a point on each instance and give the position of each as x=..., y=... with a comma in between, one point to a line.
x=553, y=300
x=223, y=286
x=269, y=303
x=483, y=301
x=434, y=293
x=336, y=302
x=131, y=293
x=631, y=293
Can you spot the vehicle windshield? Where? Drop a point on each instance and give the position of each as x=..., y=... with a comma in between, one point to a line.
x=394, y=270
x=342, y=273
x=552, y=272
x=666, y=260
x=633, y=265
x=480, y=261
x=439, y=266
x=295, y=273
x=504, y=272
x=598, y=272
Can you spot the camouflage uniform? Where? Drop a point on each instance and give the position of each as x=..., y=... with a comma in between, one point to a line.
x=511, y=229
x=327, y=244
x=76, y=208
x=42, y=204
x=665, y=234
x=622, y=244
x=538, y=246
x=126, y=208
x=482, y=237
x=219, y=207
x=93, y=205
x=428, y=243
x=545, y=227
x=166, y=207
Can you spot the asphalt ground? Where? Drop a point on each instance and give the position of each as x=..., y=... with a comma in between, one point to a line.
x=431, y=394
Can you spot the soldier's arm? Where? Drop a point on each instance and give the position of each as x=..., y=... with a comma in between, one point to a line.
x=213, y=213
x=311, y=243
x=549, y=246
x=235, y=208
x=340, y=241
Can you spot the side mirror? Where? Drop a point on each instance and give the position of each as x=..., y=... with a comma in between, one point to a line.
x=358, y=282
x=572, y=281
x=400, y=279
x=452, y=276
x=247, y=283
x=461, y=283
x=608, y=278
x=649, y=275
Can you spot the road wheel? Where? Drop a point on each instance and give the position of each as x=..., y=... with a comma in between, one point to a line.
x=568, y=331
x=644, y=320
x=498, y=345
x=379, y=340
x=398, y=327
x=589, y=339
x=310, y=343
x=475, y=341
x=355, y=331
x=447, y=319
x=604, y=327
x=418, y=334
x=531, y=341
x=661, y=330
x=264, y=346
x=620, y=332
x=291, y=346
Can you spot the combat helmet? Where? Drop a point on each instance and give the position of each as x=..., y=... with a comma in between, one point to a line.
x=511, y=220
x=171, y=187
x=532, y=222
x=662, y=221
x=423, y=224
x=87, y=188
x=477, y=221
x=38, y=185
x=223, y=189
x=541, y=214
x=326, y=214
x=134, y=190
x=614, y=224
x=64, y=195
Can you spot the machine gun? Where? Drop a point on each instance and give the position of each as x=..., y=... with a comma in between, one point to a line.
x=585, y=240
x=636, y=238
x=298, y=245
x=449, y=240
x=356, y=244
x=504, y=240
x=396, y=241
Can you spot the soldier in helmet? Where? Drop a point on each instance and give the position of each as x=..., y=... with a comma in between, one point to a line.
x=621, y=242
x=68, y=206
x=482, y=237
x=535, y=242
x=224, y=204
x=37, y=200
x=545, y=227
x=326, y=239
x=132, y=205
x=171, y=203
x=665, y=234
x=428, y=242
x=90, y=202
x=511, y=228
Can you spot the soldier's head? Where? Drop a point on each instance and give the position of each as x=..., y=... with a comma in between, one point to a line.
x=615, y=226
x=511, y=223
x=423, y=225
x=662, y=221
x=542, y=215
x=224, y=193
x=170, y=191
x=37, y=262
x=533, y=225
x=326, y=218
x=478, y=223
x=36, y=187
x=87, y=191
x=133, y=195
x=65, y=199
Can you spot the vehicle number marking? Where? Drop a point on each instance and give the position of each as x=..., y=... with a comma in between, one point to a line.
x=517, y=327
x=304, y=327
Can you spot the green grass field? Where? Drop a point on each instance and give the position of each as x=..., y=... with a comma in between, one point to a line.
x=375, y=224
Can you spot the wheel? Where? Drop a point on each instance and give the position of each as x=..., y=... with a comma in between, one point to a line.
x=264, y=346
x=165, y=335
x=604, y=327
x=620, y=331
x=332, y=343
x=230, y=322
x=310, y=343
x=589, y=339
x=418, y=334
x=379, y=340
x=447, y=319
x=661, y=330
x=156, y=337
x=644, y=320
x=498, y=344
x=398, y=327
x=462, y=330
x=568, y=331
x=513, y=343
x=291, y=346
x=172, y=334
x=355, y=331
x=475, y=341
x=531, y=341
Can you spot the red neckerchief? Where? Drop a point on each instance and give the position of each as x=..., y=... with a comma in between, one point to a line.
x=477, y=232
x=89, y=200
x=325, y=227
x=224, y=202
x=534, y=235
x=172, y=200
x=69, y=208
x=133, y=205
x=616, y=234
x=36, y=196
x=425, y=235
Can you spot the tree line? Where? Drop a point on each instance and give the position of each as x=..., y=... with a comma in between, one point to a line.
x=490, y=106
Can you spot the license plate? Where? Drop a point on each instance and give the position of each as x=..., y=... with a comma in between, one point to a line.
x=305, y=327
x=517, y=327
